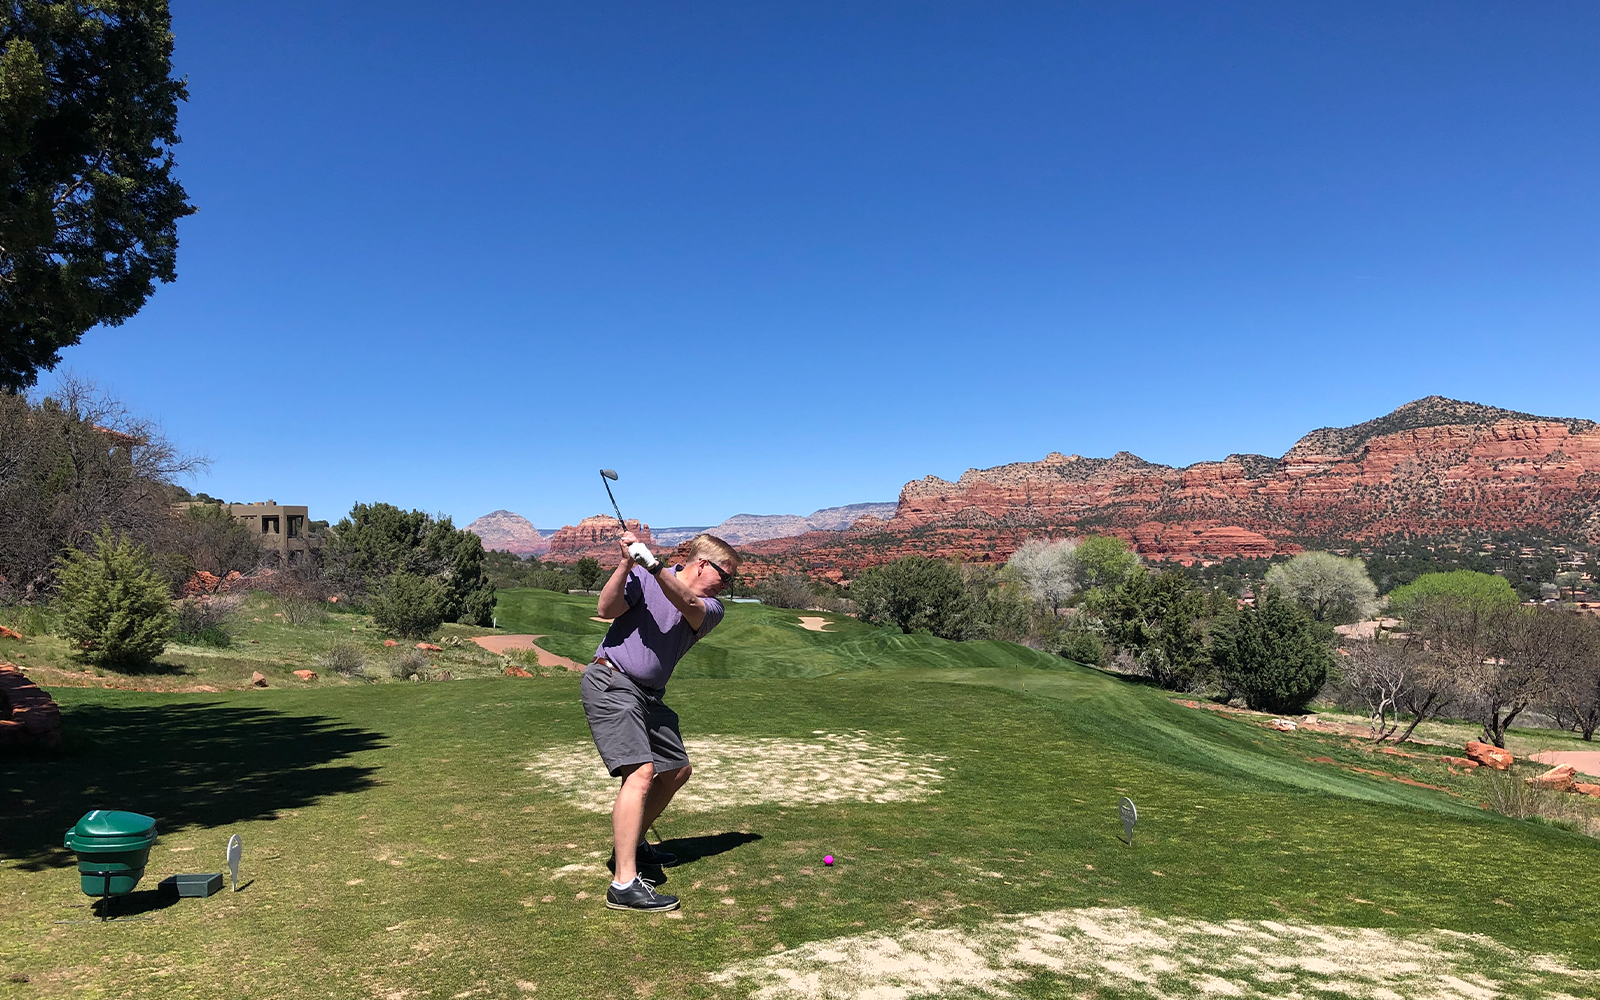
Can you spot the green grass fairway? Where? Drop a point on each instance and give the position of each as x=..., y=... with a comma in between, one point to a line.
x=757, y=641
x=398, y=845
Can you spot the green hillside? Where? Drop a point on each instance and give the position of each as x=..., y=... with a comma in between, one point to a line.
x=440, y=840
x=757, y=641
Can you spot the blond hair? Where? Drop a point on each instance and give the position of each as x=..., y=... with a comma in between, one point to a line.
x=711, y=547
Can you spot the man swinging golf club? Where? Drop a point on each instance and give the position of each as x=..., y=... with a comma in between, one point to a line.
x=659, y=611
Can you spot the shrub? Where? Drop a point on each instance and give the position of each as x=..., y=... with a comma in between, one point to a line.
x=1083, y=645
x=205, y=620
x=915, y=593
x=409, y=665
x=345, y=659
x=377, y=541
x=409, y=606
x=1273, y=654
x=790, y=590
x=113, y=603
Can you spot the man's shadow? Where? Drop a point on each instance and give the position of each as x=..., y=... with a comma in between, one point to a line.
x=692, y=849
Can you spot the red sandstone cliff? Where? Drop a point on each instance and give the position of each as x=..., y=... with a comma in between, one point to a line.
x=1434, y=466
x=593, y=536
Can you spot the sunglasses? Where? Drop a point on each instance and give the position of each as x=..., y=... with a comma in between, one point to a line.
x=722, y=574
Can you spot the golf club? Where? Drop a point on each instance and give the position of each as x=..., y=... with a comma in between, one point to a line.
x=638, y=551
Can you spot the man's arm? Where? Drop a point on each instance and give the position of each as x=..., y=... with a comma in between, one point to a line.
x=614, y=595
x=694, y=610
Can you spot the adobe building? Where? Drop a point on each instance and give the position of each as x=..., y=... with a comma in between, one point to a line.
x=279, y=528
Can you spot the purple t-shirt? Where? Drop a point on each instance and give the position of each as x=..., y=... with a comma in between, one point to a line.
x=647, y=640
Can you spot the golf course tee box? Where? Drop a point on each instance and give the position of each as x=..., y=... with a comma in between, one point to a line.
x=112, y=849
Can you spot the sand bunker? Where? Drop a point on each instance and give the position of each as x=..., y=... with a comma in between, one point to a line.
x=501, y=644
x=734, y=771
x=814, y=624
x=1122, y=950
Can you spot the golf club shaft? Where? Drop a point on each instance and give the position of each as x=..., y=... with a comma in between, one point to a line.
x=614, y=505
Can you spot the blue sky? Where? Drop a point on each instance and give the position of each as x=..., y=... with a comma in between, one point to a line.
x=766, y=258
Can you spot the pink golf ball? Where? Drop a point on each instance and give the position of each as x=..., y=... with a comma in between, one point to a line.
x=827, y=859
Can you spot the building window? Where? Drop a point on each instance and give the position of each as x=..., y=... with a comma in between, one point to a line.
x=269, y=525
x=297, y=523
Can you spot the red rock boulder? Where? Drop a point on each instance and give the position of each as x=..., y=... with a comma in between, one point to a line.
x=1585, y=788
x=306, y=675
x=1489, y=755
x=1558, y=778
x=258, y=679
x=430, y=647
x=27, y=713
x=514, y=671
x=390, y=642
x=1462, y=762
x=9, y=633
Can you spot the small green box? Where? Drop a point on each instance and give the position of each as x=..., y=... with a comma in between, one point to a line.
x=192, y=885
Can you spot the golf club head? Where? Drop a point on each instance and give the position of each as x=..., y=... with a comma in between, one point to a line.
x=610, y=474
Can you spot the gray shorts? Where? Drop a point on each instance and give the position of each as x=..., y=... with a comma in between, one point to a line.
x=630, y=724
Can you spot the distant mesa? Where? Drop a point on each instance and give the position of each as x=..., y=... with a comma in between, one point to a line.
x=742, y=529
x=509, y=532
x=596, y=536
x=1434, y=466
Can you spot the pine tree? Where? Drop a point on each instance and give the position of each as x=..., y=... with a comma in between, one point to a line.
x=114, y=605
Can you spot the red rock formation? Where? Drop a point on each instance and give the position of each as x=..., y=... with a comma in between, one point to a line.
x=1558, y=778
x=27, y=713
x=1435, y=466
x=201, y=583
x=1489, y=755
x=595, y=537
x=306, y=675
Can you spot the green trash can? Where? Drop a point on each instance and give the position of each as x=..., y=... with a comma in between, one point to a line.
x=112, y=849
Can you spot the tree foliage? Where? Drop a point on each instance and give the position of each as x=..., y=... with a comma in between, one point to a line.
x=113, y=604
x=1273, y=654
x=70, y=464
x=1334, y=590
x=409, y=605
x=1157, y=619
x=377, y=541
x=1105, y=561
x=786, y=590
x=88, y=124
x=1480, y=591
x=915, y=593
x=1047, y=570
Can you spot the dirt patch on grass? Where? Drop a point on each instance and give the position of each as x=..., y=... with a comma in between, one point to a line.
x=734, y=771
x=501, y=644
x=1122, y=950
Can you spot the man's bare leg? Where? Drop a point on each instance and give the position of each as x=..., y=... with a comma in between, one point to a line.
x=628, y=819
x=665, y=786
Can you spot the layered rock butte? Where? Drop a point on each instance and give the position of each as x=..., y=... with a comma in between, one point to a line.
x=595, y=537
x=509, y=532
x=1435, y=466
